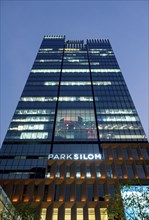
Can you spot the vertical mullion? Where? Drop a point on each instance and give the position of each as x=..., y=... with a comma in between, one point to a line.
x=95, y=112
x=56, y=108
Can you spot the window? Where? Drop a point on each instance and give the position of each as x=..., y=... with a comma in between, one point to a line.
x=111, y=190
x=119, y=171
x=55, y=214
x=67, y=171
x=75, y=99
x=35, y=119
x=80, y=214
x=103, y=214
x=67, y=192
x=45, y=70
x=125, y=153
x=105, y=70
x=88, y=172
x=33, y=135
x=27, y=127
x=33, y=111
x=78, y=172
x=134, y=153
x=57, y=192
x=101, y=192
x=140, y=170
x=144, y=153
x=67, y=214
x=78, y=192
x=98, y=173
x=91, y=214
x=90, y=192
x=75, y=70
x=109, y=171
x=43, y=214
x=57, y=175
x=38, y=99
x=115, y=150
x=130, y=171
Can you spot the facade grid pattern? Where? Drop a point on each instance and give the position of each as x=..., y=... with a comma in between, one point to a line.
x=75, y=102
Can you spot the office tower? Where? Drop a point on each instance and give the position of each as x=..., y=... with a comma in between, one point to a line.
x=75, y=134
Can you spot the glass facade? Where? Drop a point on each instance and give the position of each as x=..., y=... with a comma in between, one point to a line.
x=75, y=102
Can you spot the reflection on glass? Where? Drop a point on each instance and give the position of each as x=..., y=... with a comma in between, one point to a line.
x=75, y=124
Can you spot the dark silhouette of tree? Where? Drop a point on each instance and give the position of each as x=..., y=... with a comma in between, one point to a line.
x=22, y=211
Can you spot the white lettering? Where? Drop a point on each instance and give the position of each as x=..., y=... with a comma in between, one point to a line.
x=69, y=156
x=90, y=156
x=56, y=157
x=76, y=157
x=50, y=156
x=62, y=156
x=84, y=157
x=97, y=156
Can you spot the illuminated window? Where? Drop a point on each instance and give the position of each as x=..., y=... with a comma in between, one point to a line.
x=75, y=71
x=45, y=70
x=88, y=175
x=35, y=119
x=47, y=175
x=28, y=127
x=51, y=83
x=103, y=214
x=118, y=118
x=130, y=136
x=105, y=70
x=33, y=111
x=75, y=83
x=72, y=99
x=54, y=37
x=102, y=83
x=34, y=135
x=104, y=54
x=116, y=111
x=57, y=175
x=91, y=214
x=67, y=214
x=38, y=99
x=67, y=174
x=88, y=172
x=98, y=174
x=55, y=214
x=78, y=174
x=43, y=214
x=45, y=49
x=80, y=214
x=109, y=171
x=45, y=60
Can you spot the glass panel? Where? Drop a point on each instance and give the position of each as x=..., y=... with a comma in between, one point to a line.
x=80, y=214
x=130, y=171
x=67, y=214
x=43, y=214
x=103, y=214
x=140, y=170
x=75, y=124
x=55, y=214
x=91, y=214
x=90, y=192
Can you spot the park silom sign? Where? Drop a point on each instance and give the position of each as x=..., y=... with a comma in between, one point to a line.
x=74, y=157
